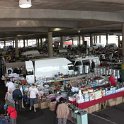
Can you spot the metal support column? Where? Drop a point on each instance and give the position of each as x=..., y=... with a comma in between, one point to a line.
x=27, y=42
x=41, y=42
x=96, y=39
x=16, y=48
x=99, y=38
x=61, y=42
x=91, y=40
x=72, y=41
x=119, y=45
x=50, y=47
x=107, y=38
x=4, y=43
x=24, y=43
x=83, y=39
x=37, y=41
x=79, y=43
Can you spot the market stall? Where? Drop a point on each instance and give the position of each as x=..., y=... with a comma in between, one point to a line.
x=97, y=104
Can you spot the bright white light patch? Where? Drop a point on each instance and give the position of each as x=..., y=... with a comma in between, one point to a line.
x=25, y=3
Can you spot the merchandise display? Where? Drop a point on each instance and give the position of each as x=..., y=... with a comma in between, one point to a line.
x=88, y=91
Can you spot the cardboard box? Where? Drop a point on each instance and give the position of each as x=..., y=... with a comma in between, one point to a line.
x=43, y=105
x=111, y=102
x=36, y=105
x=97, y=107
x=119, y=100
x=122, y=99
x=91, y=109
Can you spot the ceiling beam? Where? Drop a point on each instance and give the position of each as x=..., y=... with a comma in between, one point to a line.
x=59, y=14
x=37, y=23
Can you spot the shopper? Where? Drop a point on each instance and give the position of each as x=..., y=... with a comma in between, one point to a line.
x=92, y=66
x=10, y=85
x=33, y=94
x=62, y=111
x=9, y=98
x=17, y=96
x=12, y=113
x=112, y=80
x=22, y=91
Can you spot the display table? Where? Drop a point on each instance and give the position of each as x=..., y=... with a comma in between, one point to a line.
x=101, y=100
x=98, y=101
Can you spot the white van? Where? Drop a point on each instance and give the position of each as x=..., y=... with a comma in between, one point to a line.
x=47, y=68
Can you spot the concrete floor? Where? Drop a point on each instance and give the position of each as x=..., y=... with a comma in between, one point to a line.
x=113, y=115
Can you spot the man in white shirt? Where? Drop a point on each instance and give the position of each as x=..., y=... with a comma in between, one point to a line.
x=10, y=85
x=33, y=92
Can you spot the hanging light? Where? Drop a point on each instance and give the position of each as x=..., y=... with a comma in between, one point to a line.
x=57, y=29
x=25, y=3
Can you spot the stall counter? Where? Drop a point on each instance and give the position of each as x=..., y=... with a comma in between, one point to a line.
x=98, y=101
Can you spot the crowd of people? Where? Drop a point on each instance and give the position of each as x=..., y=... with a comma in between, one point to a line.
x=17, y=100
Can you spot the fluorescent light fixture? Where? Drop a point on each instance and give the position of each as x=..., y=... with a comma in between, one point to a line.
x=57, y=29
x=25, y=3
x=79, y=31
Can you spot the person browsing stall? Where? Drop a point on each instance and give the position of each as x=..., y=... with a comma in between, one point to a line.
x=10, y=85
x=112, y=80
x=62, y=111
x=17, y=96
x=33, y=93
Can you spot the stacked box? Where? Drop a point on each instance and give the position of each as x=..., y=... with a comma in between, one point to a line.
x=43, y=105
x=111, y=102
x=122, y=99
x=97, y=107
x=119, y=100
x=36, y=105
x=91, y=109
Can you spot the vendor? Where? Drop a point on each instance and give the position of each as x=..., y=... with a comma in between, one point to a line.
x=112, y=80
x=92, y=66
x=68, y=88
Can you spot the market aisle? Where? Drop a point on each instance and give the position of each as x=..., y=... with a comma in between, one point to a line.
x=114, y=114
x=41, y=116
